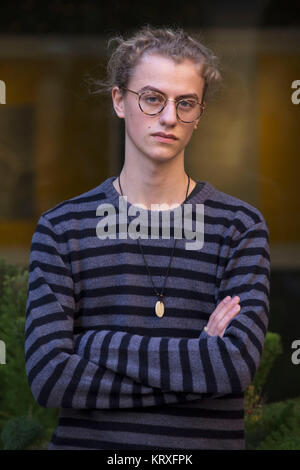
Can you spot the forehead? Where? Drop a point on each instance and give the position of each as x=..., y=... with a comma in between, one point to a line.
x=167, y=75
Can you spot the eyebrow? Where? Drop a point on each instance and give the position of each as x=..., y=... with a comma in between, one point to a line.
x=189, y=95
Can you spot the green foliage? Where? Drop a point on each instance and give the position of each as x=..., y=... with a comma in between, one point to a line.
x=15, y=395
x=287, y=443
x=13, y=381
x=6, y=270
x=274, y=426
x=281, y=423
x=254, y=400
x=20, y=432
x=272, y=349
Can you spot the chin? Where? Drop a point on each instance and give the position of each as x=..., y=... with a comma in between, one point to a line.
x=160, y=154
x=160, y=157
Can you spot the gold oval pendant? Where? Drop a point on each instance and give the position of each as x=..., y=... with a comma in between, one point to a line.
x=159, y=308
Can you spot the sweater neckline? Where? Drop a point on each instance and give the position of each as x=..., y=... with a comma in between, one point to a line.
x=199, y=197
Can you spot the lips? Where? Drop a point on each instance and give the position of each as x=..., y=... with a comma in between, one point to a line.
x=166, y=136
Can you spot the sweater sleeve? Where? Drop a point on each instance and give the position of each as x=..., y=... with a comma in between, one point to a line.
x=207, y=364
x=57, y=375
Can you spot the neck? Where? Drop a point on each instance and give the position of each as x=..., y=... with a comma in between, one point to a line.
x=166, y=187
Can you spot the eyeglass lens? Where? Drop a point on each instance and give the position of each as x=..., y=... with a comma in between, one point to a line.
x=152, y=103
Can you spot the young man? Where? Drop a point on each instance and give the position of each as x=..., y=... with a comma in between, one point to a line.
x=147, y=344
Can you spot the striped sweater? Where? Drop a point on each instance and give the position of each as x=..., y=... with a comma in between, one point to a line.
x=122, y=377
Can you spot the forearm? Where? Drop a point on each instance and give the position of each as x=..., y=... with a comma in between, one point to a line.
x=59, y=376
x=177, y=365
x=207, y=365
x=93, y=344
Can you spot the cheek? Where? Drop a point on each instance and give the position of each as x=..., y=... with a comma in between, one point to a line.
x=137, y=121
x=137, y=128
x=187, y=135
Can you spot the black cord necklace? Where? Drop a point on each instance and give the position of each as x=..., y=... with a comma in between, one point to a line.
x=159, y=306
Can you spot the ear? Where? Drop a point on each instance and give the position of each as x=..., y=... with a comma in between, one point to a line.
x=118, y=102
x=196, y=124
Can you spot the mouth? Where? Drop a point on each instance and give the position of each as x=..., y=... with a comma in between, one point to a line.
x=162, y=137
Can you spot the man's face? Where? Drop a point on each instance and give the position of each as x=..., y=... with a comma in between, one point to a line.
x=173, y=80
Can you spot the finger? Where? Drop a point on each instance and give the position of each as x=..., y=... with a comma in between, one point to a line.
x=227, y=319
x=225, y=306
x=220, y=306
x=227, y=309
x=220, y=322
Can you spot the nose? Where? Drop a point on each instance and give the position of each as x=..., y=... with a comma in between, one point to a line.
x=168, y=116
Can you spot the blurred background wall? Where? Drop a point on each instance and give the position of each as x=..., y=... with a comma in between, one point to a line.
x=57, y=141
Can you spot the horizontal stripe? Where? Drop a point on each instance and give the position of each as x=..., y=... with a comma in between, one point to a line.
x=155, y=430
x=122, y=377
x=71, y=443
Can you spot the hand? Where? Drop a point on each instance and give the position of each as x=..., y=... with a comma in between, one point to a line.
x=222, y=315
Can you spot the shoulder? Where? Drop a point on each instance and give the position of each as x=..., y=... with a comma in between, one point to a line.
x=73, y=211
x=238, y=215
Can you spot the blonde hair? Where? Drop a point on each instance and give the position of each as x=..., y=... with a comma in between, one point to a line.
x=169, y=42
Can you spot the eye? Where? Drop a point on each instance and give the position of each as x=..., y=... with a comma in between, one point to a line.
x=187, y=104
x=152, y=98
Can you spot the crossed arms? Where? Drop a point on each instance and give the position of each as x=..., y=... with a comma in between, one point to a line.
x=116, y=369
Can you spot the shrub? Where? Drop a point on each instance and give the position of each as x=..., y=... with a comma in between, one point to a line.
x=253, y=396
x=274, y=426
x=20, y=432
x=272, y=349
x=281, y=422
x=16, y=399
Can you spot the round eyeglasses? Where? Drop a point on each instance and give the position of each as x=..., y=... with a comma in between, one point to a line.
x=152, y=103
